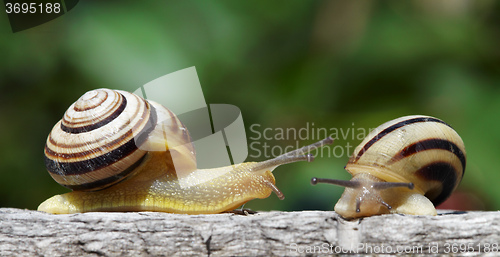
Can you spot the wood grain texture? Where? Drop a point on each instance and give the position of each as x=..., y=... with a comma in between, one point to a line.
x=33, y=233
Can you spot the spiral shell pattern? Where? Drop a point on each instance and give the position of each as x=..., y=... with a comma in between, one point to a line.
x=97, y=143
x=419, y=149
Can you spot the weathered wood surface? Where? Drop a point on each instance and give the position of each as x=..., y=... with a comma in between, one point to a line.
x=32, y=233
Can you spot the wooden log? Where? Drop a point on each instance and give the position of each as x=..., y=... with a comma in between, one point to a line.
x=30, y=233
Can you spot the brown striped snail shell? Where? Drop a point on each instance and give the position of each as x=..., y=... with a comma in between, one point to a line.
x=99, y=139
x=407, y=165
x=120, y=152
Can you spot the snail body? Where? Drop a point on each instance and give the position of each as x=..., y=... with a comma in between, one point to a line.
x=120, y=152
x=407, y=165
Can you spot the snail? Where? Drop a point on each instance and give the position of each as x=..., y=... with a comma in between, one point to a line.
x=111, y=149
x=407, y=166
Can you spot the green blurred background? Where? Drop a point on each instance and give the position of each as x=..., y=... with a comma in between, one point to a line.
x=285, y=64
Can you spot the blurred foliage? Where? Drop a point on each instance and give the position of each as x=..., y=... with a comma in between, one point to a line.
x=285, y=64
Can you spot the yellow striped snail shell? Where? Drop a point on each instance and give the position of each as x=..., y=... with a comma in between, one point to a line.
x=111, y=149
x=407, y=165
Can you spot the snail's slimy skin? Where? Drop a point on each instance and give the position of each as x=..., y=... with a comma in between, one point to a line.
x=402, y=200
x=235, y=186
